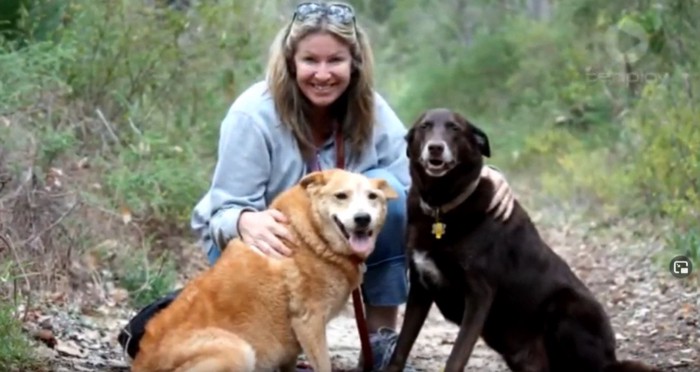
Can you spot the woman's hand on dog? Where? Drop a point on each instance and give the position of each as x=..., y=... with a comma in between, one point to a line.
x=264, y=230
x=503, y=199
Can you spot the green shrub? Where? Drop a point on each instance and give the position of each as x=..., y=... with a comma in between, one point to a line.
x=663, y=152
x=686, y=243
x=16, y=351
x=26, y=21
x=157, y=83
x=146, y=278
x=142, y=91
x=28, y=72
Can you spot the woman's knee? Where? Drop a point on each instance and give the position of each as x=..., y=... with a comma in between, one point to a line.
x=386, y=283
x=213, y=254
x=390, y=242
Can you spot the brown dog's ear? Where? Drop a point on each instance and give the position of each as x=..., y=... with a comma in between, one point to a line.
x=409, y=140
x=388, y=191
x=411, y=133
x=314, y=178
x=481, y=140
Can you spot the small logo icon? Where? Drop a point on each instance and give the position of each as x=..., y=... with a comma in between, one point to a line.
x=681, y=267
x=626, y=41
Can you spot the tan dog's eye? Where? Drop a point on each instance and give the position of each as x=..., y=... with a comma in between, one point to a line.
x=372, y=196
x=341, y=195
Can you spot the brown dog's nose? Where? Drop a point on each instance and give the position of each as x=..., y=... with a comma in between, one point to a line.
x=436, y=149
x=362, y=219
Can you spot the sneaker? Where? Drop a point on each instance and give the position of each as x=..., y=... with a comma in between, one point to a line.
x=383, y=343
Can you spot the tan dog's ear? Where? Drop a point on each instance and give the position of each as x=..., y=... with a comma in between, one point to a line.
x=313, y=178
x=388, y=191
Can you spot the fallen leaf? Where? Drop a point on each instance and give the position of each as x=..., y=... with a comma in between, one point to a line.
x=120, y=295
x=69, y=348
x=45, y=336
x=126, y=215
x=83, y=163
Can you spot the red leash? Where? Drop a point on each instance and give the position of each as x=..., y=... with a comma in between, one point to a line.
x=357, y=303
x=367, y=359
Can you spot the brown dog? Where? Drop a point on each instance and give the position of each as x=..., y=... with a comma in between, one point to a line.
x=496, y=280
x=250, y=312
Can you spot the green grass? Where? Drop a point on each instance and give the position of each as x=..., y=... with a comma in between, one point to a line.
x=16, y=350
x=146, y=279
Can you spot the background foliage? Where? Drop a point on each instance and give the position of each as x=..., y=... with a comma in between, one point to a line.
x=109, y=112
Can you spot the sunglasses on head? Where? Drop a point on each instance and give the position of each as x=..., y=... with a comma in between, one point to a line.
x=336, y=12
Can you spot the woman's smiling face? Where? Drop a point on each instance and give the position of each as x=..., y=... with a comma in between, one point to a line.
x=323, y=67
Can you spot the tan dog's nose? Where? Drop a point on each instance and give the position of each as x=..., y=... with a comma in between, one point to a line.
x=362, y=219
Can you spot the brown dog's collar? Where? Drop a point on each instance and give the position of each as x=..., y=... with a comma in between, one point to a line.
x=438, y=228
x=450, y=205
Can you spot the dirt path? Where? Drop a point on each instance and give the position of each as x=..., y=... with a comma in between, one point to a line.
x=655, y=315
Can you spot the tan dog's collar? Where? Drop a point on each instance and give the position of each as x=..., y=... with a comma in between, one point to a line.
x=360, y=263
x=450, y=205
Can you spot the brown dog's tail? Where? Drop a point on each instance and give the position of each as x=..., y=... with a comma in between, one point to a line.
x=630, y=366
x=203, y=350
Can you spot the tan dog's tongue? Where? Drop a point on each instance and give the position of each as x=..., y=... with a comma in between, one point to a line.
x=360, y=244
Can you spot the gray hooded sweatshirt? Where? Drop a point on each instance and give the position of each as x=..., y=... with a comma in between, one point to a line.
x=258, y=158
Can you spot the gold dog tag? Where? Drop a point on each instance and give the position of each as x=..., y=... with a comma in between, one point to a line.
x=438, y=229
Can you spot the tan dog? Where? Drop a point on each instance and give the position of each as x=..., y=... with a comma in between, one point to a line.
x=250, y=312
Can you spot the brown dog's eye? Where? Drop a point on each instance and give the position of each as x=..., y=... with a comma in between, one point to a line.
x=372, y=196
x=451, y=126
x=426, y=125
x=341, y=196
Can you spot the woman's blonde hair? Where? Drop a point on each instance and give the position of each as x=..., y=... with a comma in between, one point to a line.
x=354, y=110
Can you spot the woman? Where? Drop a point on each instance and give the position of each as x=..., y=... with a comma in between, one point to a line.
x=318, y=92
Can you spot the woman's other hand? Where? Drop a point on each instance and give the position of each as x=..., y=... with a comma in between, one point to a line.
x=264, y=230
x=503, y=199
